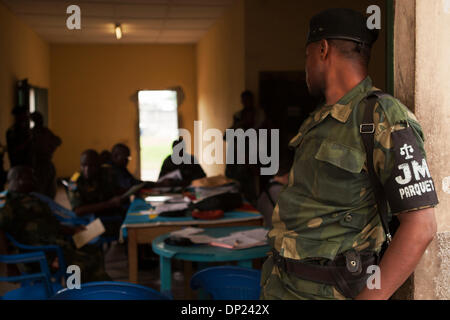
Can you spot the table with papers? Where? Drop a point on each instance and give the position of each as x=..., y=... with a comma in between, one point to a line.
x=143, y=224
x=202, y=252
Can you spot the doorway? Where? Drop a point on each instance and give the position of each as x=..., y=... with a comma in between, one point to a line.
x=158, y=128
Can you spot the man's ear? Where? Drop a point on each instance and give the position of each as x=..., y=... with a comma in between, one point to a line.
x=324, y=47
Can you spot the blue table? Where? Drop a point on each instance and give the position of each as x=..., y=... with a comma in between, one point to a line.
x=141, y=228
x=203, y=253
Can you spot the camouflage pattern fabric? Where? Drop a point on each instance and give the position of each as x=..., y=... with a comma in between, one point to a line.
x=31, y=222
x=328, y=206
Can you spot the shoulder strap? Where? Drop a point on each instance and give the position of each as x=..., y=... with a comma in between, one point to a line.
x=367, y=130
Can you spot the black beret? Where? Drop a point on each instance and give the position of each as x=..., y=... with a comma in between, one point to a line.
x=340, y=23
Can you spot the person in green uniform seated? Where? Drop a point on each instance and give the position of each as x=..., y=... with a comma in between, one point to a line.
x=31, y=222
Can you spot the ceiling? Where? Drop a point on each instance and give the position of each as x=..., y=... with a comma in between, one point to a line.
x=143, y=21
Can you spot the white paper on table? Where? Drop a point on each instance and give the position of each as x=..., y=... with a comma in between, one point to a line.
x=259, y=234
x=186, y=232
x=176, y=175
x=148, y=212
x=166, y=198
x=237, y=241
x=200, y=239
x=171, y=207
x=93, y=230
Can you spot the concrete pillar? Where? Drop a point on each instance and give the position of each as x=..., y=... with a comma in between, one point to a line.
x=422, y=81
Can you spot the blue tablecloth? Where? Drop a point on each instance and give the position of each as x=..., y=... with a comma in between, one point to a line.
x=134, y=217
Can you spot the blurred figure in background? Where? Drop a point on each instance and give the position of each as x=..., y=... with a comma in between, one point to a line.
x=18, y=138
x=44, y=144
x=120, y=156
x=94, y=190
x=2, y=168
x=105, y=157
x=250, y=117
x=268, y=198
x=31, y=222
x=189, y=172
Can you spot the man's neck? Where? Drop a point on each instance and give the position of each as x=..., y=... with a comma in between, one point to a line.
x=340, y=82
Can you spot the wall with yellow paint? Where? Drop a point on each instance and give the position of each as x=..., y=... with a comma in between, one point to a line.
x=276, y=32
x=93, y=101
x=23, y=54
x=261, y=35
x=221, y=73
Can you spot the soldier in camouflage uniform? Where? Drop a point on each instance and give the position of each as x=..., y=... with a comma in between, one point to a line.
x=31, y=222
x=328, y=211
x=95, y=190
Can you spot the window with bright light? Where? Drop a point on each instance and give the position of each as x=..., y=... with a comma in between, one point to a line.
x=158, y=127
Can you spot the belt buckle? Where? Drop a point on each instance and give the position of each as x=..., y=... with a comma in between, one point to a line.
x=367, y=128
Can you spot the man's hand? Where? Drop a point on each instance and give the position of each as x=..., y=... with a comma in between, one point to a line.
x=417, y=229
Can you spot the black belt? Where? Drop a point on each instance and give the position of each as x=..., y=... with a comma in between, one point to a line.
x=347, y=272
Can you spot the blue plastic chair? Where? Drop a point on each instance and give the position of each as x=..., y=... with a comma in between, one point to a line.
x=35, y=286
x=228, y=283
x=64, y=215
x=60, y=274
x=70, y=218
x=110, y=290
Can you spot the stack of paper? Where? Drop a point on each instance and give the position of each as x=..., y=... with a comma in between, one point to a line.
x=237, y=240
x=93, y=230
x=242, y=239
x=167, y=207
x=175, y=175
x=192, y=234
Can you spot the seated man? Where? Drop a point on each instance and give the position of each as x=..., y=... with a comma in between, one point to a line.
x=30, y=221
x=120, y=156
x=189, y=171
x=95, y=191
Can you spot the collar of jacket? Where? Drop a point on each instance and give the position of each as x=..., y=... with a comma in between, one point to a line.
x=344, y=107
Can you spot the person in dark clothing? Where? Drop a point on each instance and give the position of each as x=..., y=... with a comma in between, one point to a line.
x=44, y=144
x=2, y=168
x=31, y=222
x=189, y=171
x=268, y=198
x=18, y=139
x=120, y=156
x=93, y=190
x=105, y=157
x=249, y=117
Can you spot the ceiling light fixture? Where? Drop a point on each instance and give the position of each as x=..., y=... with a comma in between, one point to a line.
x=118, y=30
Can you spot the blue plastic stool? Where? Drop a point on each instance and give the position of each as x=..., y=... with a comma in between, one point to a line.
x=110, y=290
x=228, y=283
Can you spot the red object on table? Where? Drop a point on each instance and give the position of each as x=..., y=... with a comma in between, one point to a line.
x=207, y=215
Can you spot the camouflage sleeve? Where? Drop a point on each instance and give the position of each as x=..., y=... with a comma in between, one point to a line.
x=400, y=158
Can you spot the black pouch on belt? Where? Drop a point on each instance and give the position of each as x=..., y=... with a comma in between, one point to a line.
x=352, y=279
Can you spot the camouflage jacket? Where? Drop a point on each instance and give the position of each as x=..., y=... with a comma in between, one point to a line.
x=29, y=220
x=328, y=206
